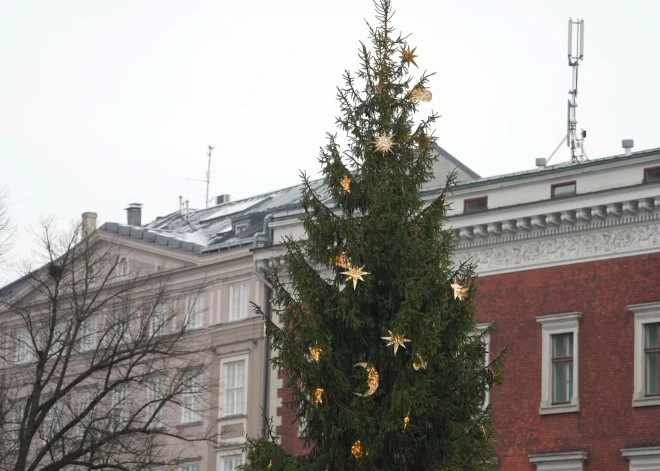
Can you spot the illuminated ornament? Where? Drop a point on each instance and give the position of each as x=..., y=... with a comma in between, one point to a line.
x=419, y=364
x=342, y=261
x=357, y=451
x=408, y=56
x=421, y=94
x=396, y=341
x=459, y=291
x=318, y=396
x=423, y=142
x=355, y=274
x=416, y=229
x=372, y=379
x=346, y=184
x=315, y=353
x=483, y=429
x=406, y=421
x=384, y=143
x=270, y=464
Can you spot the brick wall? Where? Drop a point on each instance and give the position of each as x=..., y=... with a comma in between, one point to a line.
x=607, y=422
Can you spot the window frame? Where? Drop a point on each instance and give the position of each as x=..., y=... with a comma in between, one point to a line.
x=194, y=299
x=162, y=311
x=566, y=461
x=224, y=459
x=189, y=415
x=554, y=186
x=479, y=330
x=644, y=314
x=642, y=459
x=646, y=174
x=563, y=360
x=554, y=324
x=120, y=273
x=246, y=284
x=24, y=346
x=154, y=398
x=648, y=350
x=470, y=200
x=241, y=228
x=95, y=336
x=189, y=466
x=222, y=412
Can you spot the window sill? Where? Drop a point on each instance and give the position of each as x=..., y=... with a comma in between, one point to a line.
x=189, y=424
x=548, y=409
x=645, y=401
x=233, y=417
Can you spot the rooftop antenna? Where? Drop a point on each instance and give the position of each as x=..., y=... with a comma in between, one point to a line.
x=208, y=175
x=574, y=141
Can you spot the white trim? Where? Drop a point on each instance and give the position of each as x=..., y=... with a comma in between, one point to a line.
x=648, y=313
x=480, y=329
x=570, y=461
x=221, y=405
x=196, y=300
x=551, y=325
x=226, y=453
x=232, y=441
x=246, y=285
x=643, y=459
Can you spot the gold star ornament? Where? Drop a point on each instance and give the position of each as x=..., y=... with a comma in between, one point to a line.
x=459, y=291
x=357, y=451
x=408, y=56
x=346, y=184
x=318, y=396
x=419, y=364
x=384, y=143
x=355, y=274
x=396, y=341
x=315, y=353
x=342, y=261
x=421, y=94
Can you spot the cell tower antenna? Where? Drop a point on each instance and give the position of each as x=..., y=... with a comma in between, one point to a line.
x=208, y=175
x=574, y=141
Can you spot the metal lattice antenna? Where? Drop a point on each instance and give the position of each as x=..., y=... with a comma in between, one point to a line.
x=208, y=175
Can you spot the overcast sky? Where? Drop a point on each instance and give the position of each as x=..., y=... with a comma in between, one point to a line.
x=105, y=103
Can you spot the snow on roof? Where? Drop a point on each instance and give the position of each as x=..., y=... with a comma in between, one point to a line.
x=235, y=207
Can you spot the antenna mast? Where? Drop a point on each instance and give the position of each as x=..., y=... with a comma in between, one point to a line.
x=208, y=175
x=575, y=57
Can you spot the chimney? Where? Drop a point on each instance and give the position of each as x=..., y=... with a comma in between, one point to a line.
x=541, y=162
x=134, y=214
x=222, y=199
x=628, y=144
x=88, y=224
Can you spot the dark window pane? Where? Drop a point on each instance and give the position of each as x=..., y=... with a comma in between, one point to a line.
x=563, y=190
x=652, y=175
x=558, y=349
x=569, y=381
x=652, y=373
x=472, y=206
x=651, y=335
x=559, y=379
x=569, y=339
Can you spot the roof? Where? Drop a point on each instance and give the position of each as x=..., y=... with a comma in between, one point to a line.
x=471, y=173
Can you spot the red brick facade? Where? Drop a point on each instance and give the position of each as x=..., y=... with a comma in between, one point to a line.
x=606, y=422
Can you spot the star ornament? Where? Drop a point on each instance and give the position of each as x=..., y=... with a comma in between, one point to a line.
x=318, y=396
x=408, y=56
x=355, y=274
x=396, y=341
x=459, y=291
x=315, y=353
x=346, y=184
x=384, y=143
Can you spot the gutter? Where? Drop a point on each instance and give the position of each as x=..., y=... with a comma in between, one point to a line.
x=264, y=237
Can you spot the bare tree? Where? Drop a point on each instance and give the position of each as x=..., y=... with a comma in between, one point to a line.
x=94, y=361
x=7, y=229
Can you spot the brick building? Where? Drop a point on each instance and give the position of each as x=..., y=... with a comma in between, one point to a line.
x=569, y=273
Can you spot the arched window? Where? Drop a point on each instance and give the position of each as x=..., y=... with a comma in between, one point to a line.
x=122, y=267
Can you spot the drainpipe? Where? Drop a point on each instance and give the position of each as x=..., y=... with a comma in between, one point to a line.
x=263, y=236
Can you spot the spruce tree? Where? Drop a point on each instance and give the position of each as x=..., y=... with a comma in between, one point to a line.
x=381, y=357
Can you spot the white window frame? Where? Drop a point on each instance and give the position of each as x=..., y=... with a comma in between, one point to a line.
x=23, y=350
x=480, y=330
x=243, y=310
x=121, y=405
x=240, y=228
x=555, y=324
x=18, y=409
x=155, y=394
x=648, y=313
x=190, y=466
x=192, y=413
x=224, y=459
x=123, y=269
x=643, y=459
x=90, y=333
x=160, y=317
x=60, y=334
x=85, y=398
x=570, y=461
x=222, y=412
x=194, y=305
x=230, y=452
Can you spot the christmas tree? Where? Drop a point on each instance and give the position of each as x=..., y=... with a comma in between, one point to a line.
x=381, y=357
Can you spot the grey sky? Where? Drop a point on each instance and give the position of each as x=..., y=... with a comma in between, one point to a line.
x=107, y=103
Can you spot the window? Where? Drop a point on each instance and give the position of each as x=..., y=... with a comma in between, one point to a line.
x=643, y=459
x=85, y=398
x=122, y=267
x=474, y=205
x=562, y=189
x=189, y=467
x=231, y=463
x=23, y=352
x=158, y=319
x=480, y=329
x=562, y=368
x=646, y=384
x=240, y=228
x=17, y=420
x=191, y=401
x=571, y=461
x=195, y=311
x=239, y=301
x=234, y=378
x=652, y=174
x=120, y=406
x=560, y=360
x=90, y=333
x=51, y=424
x=155, y=394
x=59, y=338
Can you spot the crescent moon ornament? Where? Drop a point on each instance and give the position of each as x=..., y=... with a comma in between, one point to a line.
x=372, y=379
